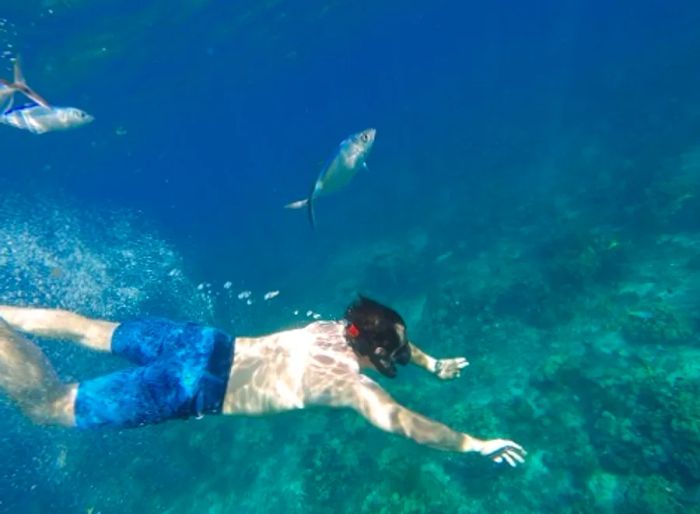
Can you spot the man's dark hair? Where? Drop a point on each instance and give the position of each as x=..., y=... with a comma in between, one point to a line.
x=372, y=332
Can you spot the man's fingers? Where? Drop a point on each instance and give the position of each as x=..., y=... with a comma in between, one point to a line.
x=504, y=450
x=504, y=457
x=515, y=455
x=512, y=458
x=515, y=445
x=509, y=459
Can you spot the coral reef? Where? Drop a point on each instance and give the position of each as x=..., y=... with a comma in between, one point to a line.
x=659, y=324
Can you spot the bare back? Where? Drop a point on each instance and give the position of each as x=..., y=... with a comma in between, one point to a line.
x=292, y=369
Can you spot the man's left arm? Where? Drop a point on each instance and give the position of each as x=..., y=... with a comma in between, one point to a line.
x=376, y=406
x=442, y=368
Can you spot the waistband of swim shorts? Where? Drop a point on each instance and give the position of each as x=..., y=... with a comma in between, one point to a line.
x=210, y=397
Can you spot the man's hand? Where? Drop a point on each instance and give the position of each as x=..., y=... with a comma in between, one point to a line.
x=499, y=450
x=447, y=369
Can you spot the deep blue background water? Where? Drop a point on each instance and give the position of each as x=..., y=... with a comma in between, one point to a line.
x=230, y=108
x=211, y=115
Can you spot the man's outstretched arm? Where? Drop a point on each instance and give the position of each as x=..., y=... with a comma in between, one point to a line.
x=442, y=368
x=380, y=409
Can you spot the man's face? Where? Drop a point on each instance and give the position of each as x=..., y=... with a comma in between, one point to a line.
x=395, y=350
x=402, y=353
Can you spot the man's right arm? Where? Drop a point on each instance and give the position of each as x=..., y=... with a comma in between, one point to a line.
x=442, y=368
x=60, y=324
x=380, y=409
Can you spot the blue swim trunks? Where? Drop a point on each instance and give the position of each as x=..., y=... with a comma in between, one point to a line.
x=182, y=371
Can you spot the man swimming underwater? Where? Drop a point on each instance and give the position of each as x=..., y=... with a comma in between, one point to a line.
x=188, y=370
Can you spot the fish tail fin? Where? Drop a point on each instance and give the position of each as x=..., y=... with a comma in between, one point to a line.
x=312, y=216
x=308, y=203
x=298, y=204
x=7, y=95
x=20, y=84
x=5, y=106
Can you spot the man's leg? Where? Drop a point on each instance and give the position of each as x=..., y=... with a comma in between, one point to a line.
x=26, y=376
x=60, y=324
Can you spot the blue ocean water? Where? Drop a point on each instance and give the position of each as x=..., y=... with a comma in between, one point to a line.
x=531, y=203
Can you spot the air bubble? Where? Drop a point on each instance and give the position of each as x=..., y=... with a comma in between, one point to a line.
x=57, y=256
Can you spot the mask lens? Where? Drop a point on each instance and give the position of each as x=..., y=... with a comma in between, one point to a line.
x=402, y=354
x=384, y=362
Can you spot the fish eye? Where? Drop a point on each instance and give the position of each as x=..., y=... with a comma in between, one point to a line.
x=364, y=138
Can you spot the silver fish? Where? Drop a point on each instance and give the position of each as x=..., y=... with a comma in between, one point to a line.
x=38, y=117
x=341, y=168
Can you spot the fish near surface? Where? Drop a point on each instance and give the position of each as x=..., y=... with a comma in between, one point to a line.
x=350, y=157
x=39, y=117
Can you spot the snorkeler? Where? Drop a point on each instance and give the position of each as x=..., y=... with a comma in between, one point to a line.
x=188, y=370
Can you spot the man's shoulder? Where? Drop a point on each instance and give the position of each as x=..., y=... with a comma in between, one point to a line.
x=322, y=334
x=325, y=326
x=315, y=327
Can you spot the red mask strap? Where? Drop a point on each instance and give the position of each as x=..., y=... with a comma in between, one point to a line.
x=353, y=331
